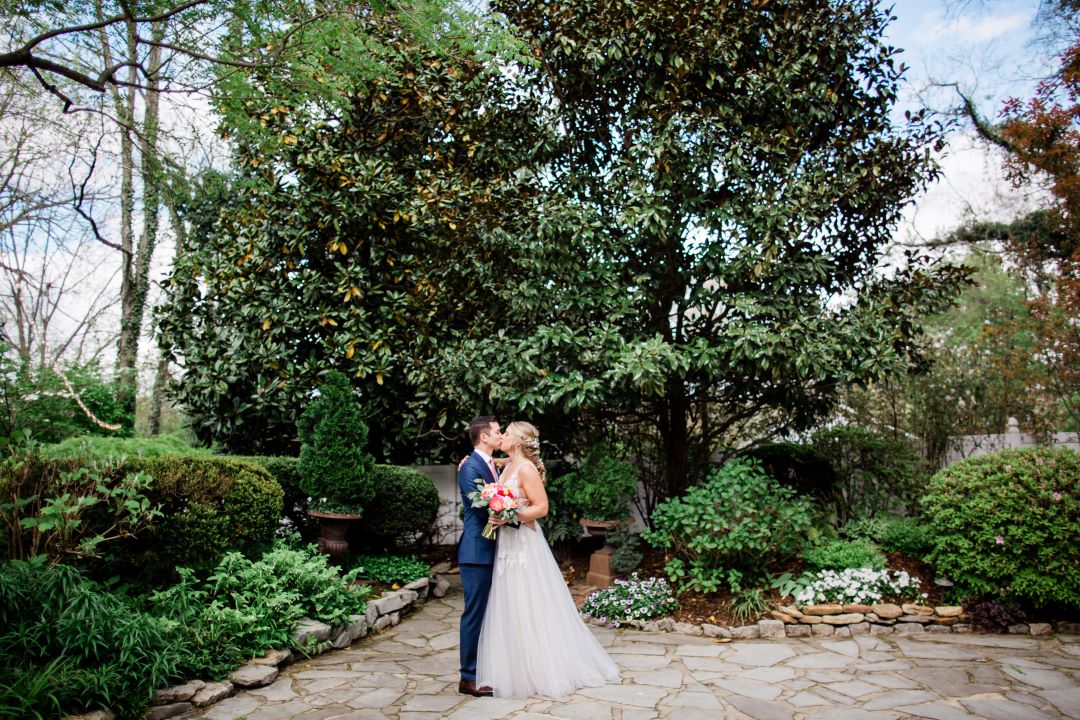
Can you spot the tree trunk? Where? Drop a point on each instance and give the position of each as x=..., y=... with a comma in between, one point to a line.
x=136, y=260
x=676, y=437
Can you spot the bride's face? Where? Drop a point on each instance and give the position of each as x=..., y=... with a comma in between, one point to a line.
x=506, y=442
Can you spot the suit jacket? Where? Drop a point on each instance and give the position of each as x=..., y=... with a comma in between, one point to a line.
x=474, y=548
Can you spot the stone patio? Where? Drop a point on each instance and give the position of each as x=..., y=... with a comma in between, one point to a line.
x=410, y=672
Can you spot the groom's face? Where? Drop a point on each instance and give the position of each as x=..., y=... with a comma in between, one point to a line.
x=493, y=437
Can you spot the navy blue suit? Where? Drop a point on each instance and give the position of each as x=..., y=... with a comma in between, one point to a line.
x=476, y=556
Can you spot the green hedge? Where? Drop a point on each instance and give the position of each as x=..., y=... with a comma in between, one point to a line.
x=286, y=470
x=212, y=504
x=1007, y=524
x=402, y=512
x=87, y=445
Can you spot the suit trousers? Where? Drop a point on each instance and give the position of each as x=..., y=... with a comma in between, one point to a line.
x=476, y=582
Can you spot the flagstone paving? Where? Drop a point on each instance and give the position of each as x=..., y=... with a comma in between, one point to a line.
x=409, y=672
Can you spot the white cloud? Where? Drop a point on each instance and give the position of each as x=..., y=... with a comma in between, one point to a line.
x=967, y=29
x=972, y=186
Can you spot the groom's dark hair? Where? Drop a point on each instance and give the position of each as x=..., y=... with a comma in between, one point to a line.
x=479, y=425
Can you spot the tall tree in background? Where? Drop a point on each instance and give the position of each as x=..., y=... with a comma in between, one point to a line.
x=383, y=193
x=744, y=166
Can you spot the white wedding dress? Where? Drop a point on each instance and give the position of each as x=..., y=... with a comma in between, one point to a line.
x=533, y=642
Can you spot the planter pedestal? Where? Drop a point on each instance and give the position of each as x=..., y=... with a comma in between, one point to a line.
x=332, y=530
x=600, y=573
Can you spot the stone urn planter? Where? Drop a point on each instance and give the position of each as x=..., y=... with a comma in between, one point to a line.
x=332, y=531
x=600, y=573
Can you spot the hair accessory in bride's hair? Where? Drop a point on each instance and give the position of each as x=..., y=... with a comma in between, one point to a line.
x=534, y=443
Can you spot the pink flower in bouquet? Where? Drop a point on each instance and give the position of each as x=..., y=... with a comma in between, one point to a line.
x=499, y=500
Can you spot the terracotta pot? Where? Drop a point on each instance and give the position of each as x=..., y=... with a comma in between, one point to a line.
x=332, y=530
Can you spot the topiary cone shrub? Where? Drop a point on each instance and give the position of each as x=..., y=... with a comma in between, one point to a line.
x=336, y=470
x=1007, y=525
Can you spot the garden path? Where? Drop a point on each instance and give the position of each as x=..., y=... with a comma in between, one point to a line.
x=409, y=672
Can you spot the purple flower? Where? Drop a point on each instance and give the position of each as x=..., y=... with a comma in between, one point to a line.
x=1057, y=497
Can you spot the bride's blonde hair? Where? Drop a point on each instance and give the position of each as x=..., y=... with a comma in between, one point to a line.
x=528, y=437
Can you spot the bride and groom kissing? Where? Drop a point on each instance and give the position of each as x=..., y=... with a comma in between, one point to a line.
x=521, y=634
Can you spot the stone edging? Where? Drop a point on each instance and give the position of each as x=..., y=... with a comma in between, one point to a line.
x=842, y=621
x=382, y=613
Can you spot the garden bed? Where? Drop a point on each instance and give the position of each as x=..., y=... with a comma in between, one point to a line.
x=715, y=608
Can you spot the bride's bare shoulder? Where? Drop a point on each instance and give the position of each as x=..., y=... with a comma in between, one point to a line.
x=529, y=470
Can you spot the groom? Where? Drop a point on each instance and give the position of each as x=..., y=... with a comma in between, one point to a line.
x=476, y=554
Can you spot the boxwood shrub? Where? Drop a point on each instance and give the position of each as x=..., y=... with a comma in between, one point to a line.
x=211, y=504
x=1007, y=525
x=402, y=512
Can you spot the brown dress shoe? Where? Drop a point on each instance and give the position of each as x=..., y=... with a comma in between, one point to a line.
x=468, y=687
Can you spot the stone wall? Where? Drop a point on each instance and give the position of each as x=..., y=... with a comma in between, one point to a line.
x=840, y=621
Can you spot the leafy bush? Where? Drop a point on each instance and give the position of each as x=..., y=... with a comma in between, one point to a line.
x=603, y=485
x=789, y=585
x=844, y=554
x=802, y=468
x=245, y=608
x=860, y=585
x=85, y=446
x=210, y=504
x=401, y=512
x=335, y=467
x=562, y=526
x=866, y=528
x=286, y=470
x=892, y=533
x=36, y=401
x=1007, y=525
x=908, y=536
x=993, y=614
x=390, y=569
x=729, y=528
x=875, y=474
x=632, y=599
x=67, y=646
x=64, y=510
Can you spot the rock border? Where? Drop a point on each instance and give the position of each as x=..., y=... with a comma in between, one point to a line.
x=382, y=612
x=843, y=620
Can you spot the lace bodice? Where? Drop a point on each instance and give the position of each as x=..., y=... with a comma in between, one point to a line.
x=511, y=541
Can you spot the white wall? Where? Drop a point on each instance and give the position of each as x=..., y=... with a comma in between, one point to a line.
x=966, y=446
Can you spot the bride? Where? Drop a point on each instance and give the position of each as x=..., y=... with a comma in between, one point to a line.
x=533, y=642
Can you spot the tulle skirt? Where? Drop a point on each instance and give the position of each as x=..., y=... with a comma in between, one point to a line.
x=533, y=641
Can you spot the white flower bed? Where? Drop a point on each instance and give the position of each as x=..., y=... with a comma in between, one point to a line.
x=859, y=585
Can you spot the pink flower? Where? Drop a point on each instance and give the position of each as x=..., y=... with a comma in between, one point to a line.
x=999, y=540
x=1057, y=497
x=496, y=504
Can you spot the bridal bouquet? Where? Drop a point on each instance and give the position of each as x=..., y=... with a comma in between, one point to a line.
x=499, y=500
